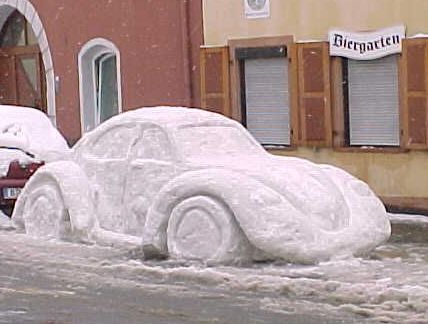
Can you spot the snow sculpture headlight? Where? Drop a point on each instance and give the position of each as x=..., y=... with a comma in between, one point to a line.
x=360, y=187
x=264, y=197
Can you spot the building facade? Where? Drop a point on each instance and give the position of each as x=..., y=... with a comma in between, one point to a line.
x=281, y=68
x=83, y=61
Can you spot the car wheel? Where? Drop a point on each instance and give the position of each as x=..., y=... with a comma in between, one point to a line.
x=44, y=213
x=203, y=228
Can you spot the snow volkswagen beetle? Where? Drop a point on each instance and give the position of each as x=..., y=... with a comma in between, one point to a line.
x=196, y=185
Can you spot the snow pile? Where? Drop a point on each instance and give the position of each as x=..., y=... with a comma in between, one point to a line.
x=5, y=222
x=195, y=185
x=30, y=130
x=390, y=285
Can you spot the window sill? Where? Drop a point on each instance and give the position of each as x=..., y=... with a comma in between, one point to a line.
x=371, y=149
x=408, y=205
x=279, y=148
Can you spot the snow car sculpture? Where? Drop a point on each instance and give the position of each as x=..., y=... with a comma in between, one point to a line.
x=27, y=140
x=193, y=184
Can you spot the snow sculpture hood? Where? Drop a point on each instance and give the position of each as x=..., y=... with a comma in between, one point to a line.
x=305, y=184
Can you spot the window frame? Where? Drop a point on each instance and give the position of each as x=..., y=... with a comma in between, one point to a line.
x=88, y=55
x=26, y=34
x=86, y=150
x=262, y=48
x=167, y=141
x=347, y=109
x=340, y=112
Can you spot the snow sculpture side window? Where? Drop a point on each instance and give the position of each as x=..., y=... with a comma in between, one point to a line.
x=154, y=144
x=99, y=82
x=114, y=143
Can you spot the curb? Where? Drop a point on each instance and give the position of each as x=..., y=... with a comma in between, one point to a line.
x=407, y=228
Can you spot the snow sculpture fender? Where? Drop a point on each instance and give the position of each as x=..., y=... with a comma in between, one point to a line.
x=269, y=220
x=57, y=196
x=373, y=229
x=249, y=200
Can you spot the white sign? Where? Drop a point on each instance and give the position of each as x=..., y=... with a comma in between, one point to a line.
x=257, y=8
x=366, y=45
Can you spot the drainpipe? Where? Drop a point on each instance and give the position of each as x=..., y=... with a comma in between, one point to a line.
x=186, y=51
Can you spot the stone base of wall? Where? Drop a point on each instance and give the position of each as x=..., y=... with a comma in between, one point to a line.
x=407, y=205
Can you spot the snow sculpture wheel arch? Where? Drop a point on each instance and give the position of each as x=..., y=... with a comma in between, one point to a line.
x=204, y=228
x=50, y=207
x=198, y=195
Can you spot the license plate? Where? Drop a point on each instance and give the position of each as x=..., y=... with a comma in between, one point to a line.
x=11, y=193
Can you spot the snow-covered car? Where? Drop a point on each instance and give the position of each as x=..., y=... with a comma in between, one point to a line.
x=193, y=184
x=27, y=140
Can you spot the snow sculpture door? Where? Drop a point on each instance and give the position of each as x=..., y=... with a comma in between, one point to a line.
x=105, y=163
x=150, y=167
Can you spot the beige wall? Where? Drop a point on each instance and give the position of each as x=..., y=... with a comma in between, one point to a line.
x=388, y=174
x=311, y=19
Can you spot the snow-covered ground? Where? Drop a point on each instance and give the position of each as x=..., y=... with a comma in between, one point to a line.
x=388, y=285
x=5, y=222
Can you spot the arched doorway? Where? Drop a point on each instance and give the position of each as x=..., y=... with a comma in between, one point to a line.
x=22, y=73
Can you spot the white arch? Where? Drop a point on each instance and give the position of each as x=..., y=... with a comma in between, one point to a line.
x=88, y=53
x=26, y=8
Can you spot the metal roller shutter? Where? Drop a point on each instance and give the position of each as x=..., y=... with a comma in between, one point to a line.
x=373, y=102
x=267, y=100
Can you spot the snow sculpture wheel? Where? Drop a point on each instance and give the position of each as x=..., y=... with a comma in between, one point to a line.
x=203, y=228
x=45, y=213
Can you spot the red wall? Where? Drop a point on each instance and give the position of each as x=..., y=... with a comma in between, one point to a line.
x=159, y=51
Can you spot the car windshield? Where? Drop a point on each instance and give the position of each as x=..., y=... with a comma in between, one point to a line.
x=200, y=142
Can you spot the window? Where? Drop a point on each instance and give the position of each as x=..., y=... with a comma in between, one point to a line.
x=106, y=87
x=17, y=32
x=267, y=111
x=100, y=91
x=23, y=77
x=113, y=143
x=371, y=102
x=200, y=142
x=265, y=102
x=154, y=144
x=250, y=80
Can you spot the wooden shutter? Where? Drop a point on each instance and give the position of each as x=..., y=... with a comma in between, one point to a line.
x=414, y=84
x=215, y=90
x=314, y=94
